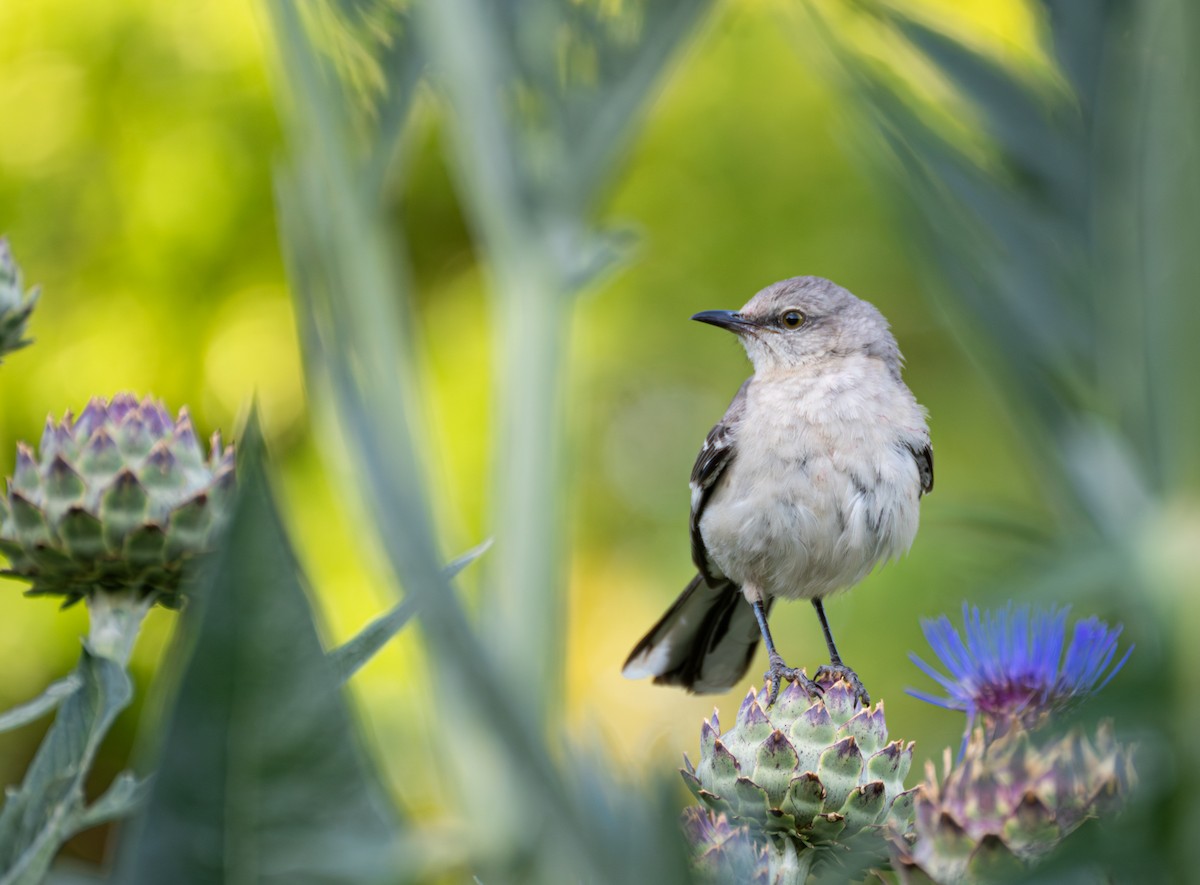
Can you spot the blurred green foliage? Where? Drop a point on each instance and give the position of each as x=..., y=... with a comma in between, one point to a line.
x=135, y=186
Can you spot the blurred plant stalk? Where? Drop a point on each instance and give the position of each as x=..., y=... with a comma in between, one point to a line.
x=532, y=166
x=115, y=619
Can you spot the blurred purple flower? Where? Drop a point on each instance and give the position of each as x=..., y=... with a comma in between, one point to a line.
x=1008, y=667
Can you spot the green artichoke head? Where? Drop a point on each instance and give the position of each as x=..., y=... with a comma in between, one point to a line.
x=120, y=499
x=15, y=303
x=818, y=772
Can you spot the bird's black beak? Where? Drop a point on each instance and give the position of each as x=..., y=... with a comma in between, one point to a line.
x=725, y=319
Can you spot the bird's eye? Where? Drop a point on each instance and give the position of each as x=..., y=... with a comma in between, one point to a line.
x=792, y=318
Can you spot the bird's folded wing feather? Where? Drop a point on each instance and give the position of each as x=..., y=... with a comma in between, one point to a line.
x=924, y=458
x=715, y=455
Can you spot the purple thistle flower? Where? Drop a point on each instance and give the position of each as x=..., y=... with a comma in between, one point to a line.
x=1008, y=666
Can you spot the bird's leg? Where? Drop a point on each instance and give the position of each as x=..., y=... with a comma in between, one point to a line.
x=836, y=668
x=778, y=670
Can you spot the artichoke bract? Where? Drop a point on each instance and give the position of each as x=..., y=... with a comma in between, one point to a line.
x=725, y=853
x=120, y=499
x=1008, y=803
x=15, y=304
x=819, y=772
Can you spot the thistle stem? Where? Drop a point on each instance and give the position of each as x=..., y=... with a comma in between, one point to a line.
x=792, y=868
x=116, y=619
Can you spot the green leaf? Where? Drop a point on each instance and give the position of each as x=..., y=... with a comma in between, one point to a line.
x=31, y=711
x=348, y=658
x=261, y=777
x=1038, y=136
x=40, y=815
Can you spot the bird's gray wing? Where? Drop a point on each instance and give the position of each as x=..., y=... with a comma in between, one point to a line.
x=924, y=458
x=715, y=456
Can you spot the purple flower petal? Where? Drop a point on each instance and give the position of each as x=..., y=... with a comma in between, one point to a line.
x=1010, y=665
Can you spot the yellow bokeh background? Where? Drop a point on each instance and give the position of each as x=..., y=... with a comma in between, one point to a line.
x=136, y=157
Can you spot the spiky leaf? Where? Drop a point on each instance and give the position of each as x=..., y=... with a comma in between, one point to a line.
x=261, y=777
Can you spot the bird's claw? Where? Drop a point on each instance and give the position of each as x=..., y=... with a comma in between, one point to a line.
x=834, y=672
x=779, y=671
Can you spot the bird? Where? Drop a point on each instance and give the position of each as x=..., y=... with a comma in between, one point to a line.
x=811, y=479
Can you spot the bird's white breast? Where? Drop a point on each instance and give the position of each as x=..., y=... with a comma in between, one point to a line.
x=823, y=486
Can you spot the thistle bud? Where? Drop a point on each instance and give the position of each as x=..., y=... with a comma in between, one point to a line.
x=118, y=500
x=820, y=774
x=1007, y=803
x=15, y=303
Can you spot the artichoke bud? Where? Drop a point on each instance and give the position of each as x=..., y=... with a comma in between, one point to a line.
x=1008, y=803
x=121, y=498
x=15, y=303
x=816, y=773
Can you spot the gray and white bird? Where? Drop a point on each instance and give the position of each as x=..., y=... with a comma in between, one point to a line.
x=811, y=479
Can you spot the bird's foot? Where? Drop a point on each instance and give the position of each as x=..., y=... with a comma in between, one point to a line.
x=838, y=670
x=779, y=671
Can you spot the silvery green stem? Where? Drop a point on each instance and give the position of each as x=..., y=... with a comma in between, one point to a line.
x=116, y=619
x=528, y=599
x=525, y=600
x=790, y=868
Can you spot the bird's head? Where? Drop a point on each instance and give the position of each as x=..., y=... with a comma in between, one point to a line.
x=806, y=321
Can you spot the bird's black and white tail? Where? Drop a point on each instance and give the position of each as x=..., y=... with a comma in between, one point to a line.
x=704, y=642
